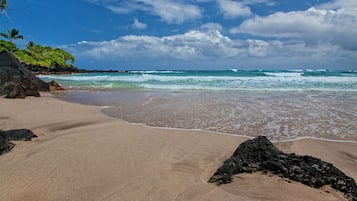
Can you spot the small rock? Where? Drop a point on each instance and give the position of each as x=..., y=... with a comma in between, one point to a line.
x=5, y=144
x=20, y=134
x=260, y=154
x=54, y=86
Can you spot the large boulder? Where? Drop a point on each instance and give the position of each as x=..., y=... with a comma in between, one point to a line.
x=42, y=85
x=260, y=154
x=15, y=80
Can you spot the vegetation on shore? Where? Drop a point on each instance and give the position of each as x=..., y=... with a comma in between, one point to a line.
x=33, y=54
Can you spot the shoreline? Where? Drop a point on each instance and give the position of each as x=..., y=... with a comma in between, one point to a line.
x=202, y=130
x=218, y=133
x=83, y=154
x=281, y=116
x=221, y=133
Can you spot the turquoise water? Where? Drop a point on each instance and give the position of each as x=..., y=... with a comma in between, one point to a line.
x=281, y=105
x=320, y=80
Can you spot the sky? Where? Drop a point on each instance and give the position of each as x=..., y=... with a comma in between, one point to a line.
x=192, y=34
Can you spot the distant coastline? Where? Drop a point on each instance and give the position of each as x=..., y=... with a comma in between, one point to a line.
x=38, y=70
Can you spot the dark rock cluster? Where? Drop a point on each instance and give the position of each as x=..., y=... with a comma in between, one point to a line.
x=54, y=86
x=260, y=154
x=15, y=80
x=56, y=69
x=13, y=135
x=5, y=144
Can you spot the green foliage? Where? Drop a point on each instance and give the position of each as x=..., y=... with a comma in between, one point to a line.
x=8, y=46
x=45, y=56
x=30, y=45
x=24, y=57
x=36, y=55
x=67, y=57
x=33, y=54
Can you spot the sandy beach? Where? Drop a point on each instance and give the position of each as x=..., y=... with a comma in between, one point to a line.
x=83, y=155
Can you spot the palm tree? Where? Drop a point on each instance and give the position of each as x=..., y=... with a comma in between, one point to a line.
x=12, y=35
x=30, y=45
x=2, y=4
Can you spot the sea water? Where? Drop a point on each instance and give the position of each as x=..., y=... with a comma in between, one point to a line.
x=282, y=105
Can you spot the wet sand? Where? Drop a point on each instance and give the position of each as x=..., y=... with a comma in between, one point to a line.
x=280, y=115
x=81, y=154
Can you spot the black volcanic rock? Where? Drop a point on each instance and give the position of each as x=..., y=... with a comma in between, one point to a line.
x=260, y=154
x=5, y=144
x=20, y=134
x=57, y=69
x=53, y=69
x=42, y=85
x=14, y=135
x=54, y=86
x=15, y=80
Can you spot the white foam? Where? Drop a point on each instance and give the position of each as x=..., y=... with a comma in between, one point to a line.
x=285, y=81
x=313, y=138
x=234, y=70
x=276, y=77
x=285, y=74
x=198, y=87
x=230, y=134
x=155, y=71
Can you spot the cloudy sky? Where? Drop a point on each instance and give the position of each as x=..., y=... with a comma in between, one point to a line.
x=193, y=34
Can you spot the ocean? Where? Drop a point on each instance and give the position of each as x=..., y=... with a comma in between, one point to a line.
x=282, y=105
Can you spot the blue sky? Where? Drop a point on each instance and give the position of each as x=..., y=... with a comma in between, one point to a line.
x=193, y=34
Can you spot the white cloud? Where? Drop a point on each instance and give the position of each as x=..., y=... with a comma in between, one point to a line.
x=233, y=9
x=193, y=44
x=210, y=48
x=138, y=25
x=168, y=10
x=266, y=2
x=314, y=26
x=174, y=12
x=258, y=48
x=347, y=5
x=211, y=26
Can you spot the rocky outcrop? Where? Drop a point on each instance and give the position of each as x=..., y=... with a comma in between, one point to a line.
x=15, y=80
x=56, y=69
x=42, y=85
x=54, y=86
x=13, y=135
x=260, y=154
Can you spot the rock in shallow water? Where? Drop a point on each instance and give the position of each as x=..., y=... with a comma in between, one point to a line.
x=260, y=154
x=54, y=86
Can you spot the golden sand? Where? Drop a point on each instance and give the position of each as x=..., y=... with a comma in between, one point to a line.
x=83, y=155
